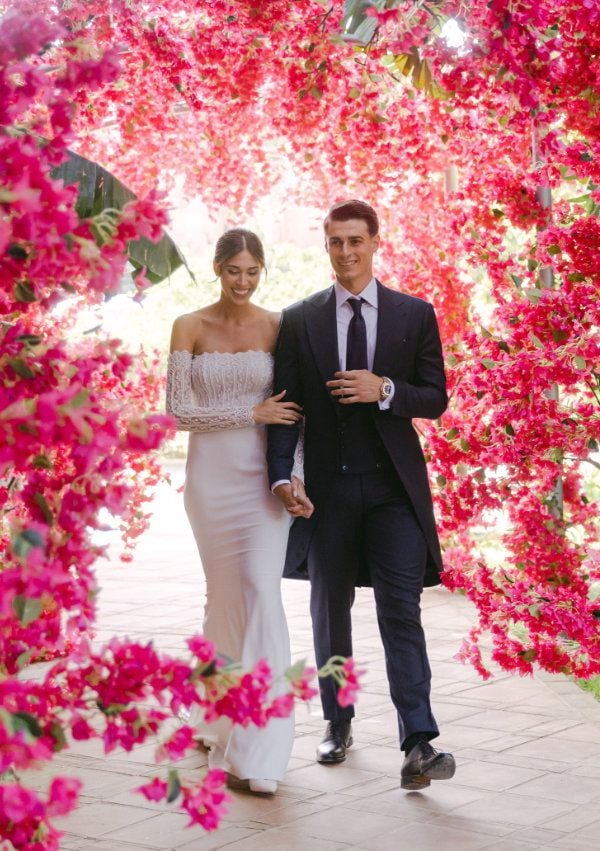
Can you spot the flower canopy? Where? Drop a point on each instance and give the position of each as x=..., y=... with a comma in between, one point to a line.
x=473, y=129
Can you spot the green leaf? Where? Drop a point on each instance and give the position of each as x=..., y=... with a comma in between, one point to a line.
x=488, y=363
x=27, y=609
x=25, y=541
x=24, y=292
x=579, y=362
x=173, y=787
x=533, y=295
x=25, y=721
x=440, y=481
x=29, y=339
x=42, y=462
x=80, y=399
x=559, y=335
x=536, y=341
x=40, y=501
x=296, y=670
x=451, y=360
x=509, y=430
x=503, y=346
x=354, y=93
x=356, y=26
x=21, y=368
x=554, y=249
x=24, y=658
x=316, y=93
x=464, y=445
x=517, y=280
x=58, y=734
x=100, y=190
x=450, y=435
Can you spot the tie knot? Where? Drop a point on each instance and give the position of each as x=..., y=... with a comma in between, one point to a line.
x=356, y=305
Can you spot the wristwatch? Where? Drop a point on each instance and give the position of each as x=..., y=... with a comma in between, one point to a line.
x=385, y=389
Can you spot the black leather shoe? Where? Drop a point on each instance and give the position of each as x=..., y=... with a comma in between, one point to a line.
x=337, y=739
x=424, y=764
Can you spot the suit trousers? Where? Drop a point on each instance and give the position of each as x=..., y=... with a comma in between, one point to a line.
x=369, y=516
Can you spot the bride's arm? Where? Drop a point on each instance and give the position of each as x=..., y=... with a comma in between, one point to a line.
x=180, y=400
x=189, y=415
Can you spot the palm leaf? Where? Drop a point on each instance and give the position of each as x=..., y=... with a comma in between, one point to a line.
x=100, y=190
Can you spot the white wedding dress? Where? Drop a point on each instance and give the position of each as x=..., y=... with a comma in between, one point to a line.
x=241, y=530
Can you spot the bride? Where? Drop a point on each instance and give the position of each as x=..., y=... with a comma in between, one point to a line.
x=218, y=388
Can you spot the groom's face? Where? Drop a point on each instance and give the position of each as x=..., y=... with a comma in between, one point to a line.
x=351, y=249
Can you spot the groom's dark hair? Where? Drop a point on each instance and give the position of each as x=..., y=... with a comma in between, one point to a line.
x=353, y=209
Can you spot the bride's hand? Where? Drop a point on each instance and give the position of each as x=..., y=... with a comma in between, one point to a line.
x=273, y=411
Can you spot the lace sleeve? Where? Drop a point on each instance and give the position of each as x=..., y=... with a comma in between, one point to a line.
x=189, y=416
x=298, y=468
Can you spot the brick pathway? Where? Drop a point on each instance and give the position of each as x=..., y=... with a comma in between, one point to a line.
x=527, y=750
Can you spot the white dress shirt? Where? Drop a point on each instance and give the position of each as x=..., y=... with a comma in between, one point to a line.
x=344, y=314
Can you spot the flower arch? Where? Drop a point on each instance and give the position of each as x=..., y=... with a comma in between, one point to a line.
x=483, y=159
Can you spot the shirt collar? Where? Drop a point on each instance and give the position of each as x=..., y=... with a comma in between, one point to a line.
x=369, y=294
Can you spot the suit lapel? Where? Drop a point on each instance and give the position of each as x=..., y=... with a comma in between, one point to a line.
x=392, y=311
x=321, y=327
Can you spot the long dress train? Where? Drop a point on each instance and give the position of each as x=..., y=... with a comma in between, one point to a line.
x=241, y=530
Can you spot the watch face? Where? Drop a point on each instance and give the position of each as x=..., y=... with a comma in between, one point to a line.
x=386, y=388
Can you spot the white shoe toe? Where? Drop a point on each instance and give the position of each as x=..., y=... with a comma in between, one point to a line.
x=263, y=787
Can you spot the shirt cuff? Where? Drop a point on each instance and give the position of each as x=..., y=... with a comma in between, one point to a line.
x=279, y=482
x=385, y=404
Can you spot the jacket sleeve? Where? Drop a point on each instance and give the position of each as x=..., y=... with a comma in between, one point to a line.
x=425, y=396
x=282, y=439
x=189, y=415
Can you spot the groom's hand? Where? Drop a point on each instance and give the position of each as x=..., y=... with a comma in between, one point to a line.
x=294, y=498
x=356, y=385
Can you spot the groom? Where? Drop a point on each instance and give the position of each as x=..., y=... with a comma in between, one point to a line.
x=362, y=360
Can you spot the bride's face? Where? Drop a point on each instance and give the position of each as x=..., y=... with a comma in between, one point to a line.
x=239, y=277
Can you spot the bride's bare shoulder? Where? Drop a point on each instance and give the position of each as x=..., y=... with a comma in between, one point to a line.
x=272, y=318
x=187, y=329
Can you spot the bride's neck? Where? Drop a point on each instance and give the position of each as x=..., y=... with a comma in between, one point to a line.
x=235, y=312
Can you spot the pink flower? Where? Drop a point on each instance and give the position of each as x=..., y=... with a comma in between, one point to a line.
x=302, y=686
x=207, y=804
x=203, y=649
x=177, y=745
x=18, y=803
x=350, y=687
x=156, y=790
x=281, y=707
x=63, y=795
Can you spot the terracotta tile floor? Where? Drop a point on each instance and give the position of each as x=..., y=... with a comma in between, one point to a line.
x=528, y=750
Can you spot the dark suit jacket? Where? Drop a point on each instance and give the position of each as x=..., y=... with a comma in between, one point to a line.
x=409, y=352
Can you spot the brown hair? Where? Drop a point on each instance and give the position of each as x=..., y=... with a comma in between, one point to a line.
x=353, y=209
x=235, y=240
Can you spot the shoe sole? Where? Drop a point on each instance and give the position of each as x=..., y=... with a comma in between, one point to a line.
x=323, y=760
x=442, y=768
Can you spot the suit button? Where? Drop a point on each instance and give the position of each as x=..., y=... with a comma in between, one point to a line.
x=378, y=466
x=344, y=468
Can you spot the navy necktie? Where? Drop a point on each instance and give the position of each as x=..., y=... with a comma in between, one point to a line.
x=356, y=346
